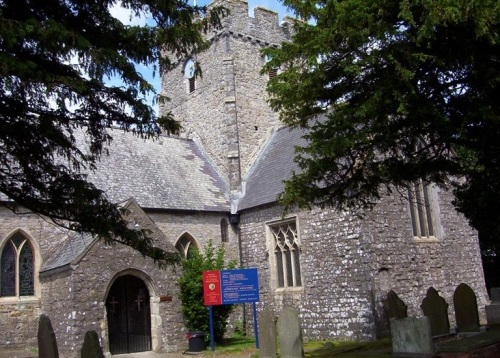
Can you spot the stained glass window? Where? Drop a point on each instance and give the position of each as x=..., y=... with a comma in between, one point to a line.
x=8, y=271
x=286, y=254
x=26, y=281
x=17, y=268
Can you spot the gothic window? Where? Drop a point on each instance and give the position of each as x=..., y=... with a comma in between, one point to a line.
x=421, y=210
x=186, y=245
x=286, y=254
x=223, y=230
x=17, y=268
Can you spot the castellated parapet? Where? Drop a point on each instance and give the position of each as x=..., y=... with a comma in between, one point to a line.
x=264, y=26
x=226, y=108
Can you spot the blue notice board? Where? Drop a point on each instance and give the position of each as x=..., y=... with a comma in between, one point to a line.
x=239, y=286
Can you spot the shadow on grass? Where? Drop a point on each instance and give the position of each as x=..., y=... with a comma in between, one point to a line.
x=376, y=349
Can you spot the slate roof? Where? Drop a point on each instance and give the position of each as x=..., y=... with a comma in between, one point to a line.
x=75, y=246
x=275, y=163
x=164, y=173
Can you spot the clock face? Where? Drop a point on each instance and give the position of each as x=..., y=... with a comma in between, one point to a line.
x=189, y=68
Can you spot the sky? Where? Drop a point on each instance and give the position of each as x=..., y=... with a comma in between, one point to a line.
x=125, y=17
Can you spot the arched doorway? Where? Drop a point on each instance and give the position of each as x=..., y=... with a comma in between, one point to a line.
x=129, y=316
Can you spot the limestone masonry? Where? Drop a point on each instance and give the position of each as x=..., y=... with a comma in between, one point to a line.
x=219, y=181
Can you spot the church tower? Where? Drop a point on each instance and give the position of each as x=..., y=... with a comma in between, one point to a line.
x=225, y=110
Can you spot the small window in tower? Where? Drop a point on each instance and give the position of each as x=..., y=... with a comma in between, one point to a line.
x=192, y=85
x=273, y=71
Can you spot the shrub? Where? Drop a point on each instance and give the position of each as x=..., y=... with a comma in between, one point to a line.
x=191, y=286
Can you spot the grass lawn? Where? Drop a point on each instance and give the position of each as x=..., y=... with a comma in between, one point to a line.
x=322, y=349
x=238, y=345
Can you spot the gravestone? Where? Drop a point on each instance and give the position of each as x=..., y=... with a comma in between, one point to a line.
x=290, y=334
x=91, y=347
x=495, y=294
x=466, y=313
x=436, y=308
x=267, y=334
x=493, y=309
x=411, y=336
x=396, y=308
x=47, y=343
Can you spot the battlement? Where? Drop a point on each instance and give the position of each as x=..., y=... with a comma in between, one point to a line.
x=264, y=26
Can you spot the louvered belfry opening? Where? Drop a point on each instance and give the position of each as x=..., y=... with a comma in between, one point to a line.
x=129, y=316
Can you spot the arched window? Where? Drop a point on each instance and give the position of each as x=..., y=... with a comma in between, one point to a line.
x=17, y=277
x=421, y=213
x=186, y=245
x=223, y=230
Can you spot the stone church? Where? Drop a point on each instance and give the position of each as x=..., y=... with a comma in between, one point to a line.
x=219, y=181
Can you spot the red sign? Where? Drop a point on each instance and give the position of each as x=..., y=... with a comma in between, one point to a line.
x=212, y=294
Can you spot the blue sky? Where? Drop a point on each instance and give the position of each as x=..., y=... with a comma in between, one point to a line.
x=125, y=17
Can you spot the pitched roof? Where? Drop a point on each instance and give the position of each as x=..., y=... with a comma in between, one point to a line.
x=163, y=173
x=275, y=163
x=76, y=245
x=71, y=249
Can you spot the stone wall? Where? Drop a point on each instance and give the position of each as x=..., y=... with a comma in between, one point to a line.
x=228, y=112
x=349, y=264
x=201, y=226
x=74, y=296
x=75, y=299
x=19, y=317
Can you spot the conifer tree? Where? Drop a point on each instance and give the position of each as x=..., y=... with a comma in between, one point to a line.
x=55, y=60
x=404, y=90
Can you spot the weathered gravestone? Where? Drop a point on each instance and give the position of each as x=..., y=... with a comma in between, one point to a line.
x=91, y=347
x=395, y=307
x=493, y=309
x=290, y=334
x=47, y=344
x=436, y=308
x=466, y=313
x=411, y=337
x=267, y=334
x=495, y=294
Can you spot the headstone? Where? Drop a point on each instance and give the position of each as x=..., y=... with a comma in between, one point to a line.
x=290, y=334
x=411, y=336
x=91, y=347
x=396, y=308
x=47, y=344
x=495, y=294
x=493, y=309
x=267, y=334
x=466, y=313
x=493, y=314
x=436, y=308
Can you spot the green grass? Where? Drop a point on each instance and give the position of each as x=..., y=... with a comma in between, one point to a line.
x=238, y=344
x=347, y=349
x=235, y=344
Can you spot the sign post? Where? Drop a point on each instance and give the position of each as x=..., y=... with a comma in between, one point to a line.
x=228, y=287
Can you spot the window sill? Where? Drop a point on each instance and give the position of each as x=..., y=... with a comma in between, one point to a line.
x=426, y=240
x=288, y=290
x=18, y=300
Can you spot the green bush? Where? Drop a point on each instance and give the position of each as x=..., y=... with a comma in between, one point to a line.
x=191, y=285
